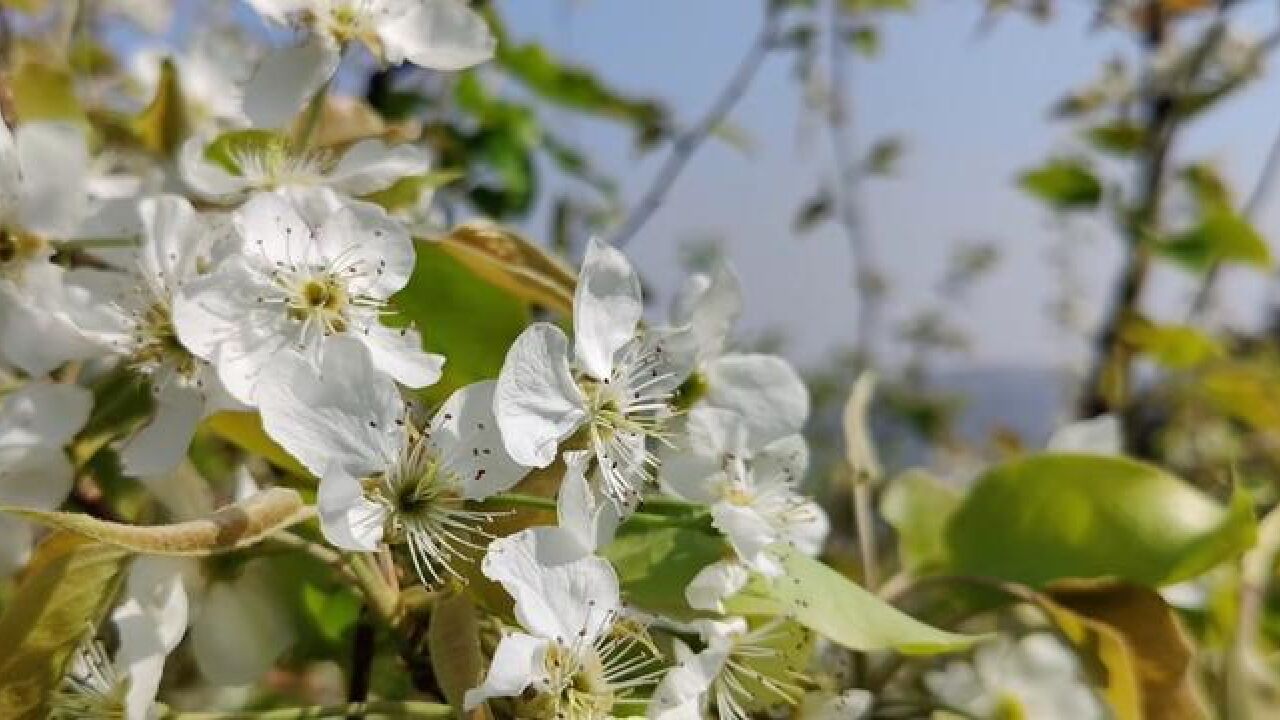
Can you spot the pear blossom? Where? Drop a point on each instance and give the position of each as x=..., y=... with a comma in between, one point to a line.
x=381, y=478
x=439, y=34
x=273, y=162
x=36, y=422
x=751, y=492
x=576, y=656
x=131, y=315
x=93, y=688
x=617, y=390
x=1035, y=676
x=44, y=198
x=741, y=670
x=309, y=272
x=764, y=389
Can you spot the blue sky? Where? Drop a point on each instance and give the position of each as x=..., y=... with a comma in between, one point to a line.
x=973, y=109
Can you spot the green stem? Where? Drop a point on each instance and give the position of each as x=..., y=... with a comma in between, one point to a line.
x=97, y=243
x=382, y=598
x=670, y=513
x=399, y=710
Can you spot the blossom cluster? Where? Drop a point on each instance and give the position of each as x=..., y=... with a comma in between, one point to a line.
x=258, y=273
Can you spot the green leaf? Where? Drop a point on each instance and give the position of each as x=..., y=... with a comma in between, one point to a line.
x=827, y=602
x=917, y=505
x=244, y=430
x=1064, y=184
x=407, y=191
x=68, y=588
x=1051, y=516
x=469, y=321
x=1121, y=138
x=655, y=566
x=233, y=527
x=163, y=125
x=45, y=92
x=1178, y=347
x=1223, y=236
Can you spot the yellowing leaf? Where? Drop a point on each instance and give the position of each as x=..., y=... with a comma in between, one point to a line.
x=232, y=527
x=163, y=124
x=244, y=429
x=66, y=591
x=454, y=643
x=827, y=602
x=512, y=263
x=43, y=91
x=1174, y=346
x=407, y=191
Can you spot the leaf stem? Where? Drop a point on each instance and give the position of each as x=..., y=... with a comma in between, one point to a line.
x=406, y=710
x=96, y=243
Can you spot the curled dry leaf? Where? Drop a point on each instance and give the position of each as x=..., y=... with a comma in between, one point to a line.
x=512, y=263
x=232, y=527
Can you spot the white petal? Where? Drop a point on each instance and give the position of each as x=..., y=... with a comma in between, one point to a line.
x=169, y=250
x=36, y=333
x=398, y=352
x=271, y=225
x=279, y=10
x=537, y=402
x=370, y=165
x=154, y=615
x=809, y=532
x=348, y=519
x=158, y=448
x=10, y=189
x=710, y=306
x=43, y=413
x=346, y=416
x=54, y=161
x=16, y=538
x=240, y=629
x=764, y=389
x=712, y=437
x=206, y=178
x=553, y=599
x=786, y=458
x=438, y=34
x=682, y=693
x=144, y=676
x=716, y=583
x=1097, y=436
x=285, y=80
x=749, y=533
x=606, y=308
x=516, y=664
x=468, y=443
x=376, y=252
x=582, y=512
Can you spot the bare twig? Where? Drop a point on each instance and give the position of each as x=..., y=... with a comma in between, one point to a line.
x=840, y=132
x=687, y=142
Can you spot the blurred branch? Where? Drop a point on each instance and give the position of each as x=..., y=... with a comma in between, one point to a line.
x=687, y=142
x=839, y=130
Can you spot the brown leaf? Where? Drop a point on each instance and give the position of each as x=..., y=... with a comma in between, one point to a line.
x=512, y=263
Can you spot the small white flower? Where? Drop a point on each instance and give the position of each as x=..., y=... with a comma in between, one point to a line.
x=273, y=162
x=577, y=657
x=381, y=478
x=618, y=388
x=764, y=389
x=1101, y=435
x=740, y=671
x=751, y=492
x=439, y=34
x=131, y=315
x=44, y=197
x=36, y=421
x=1032, y=677
x=307, y=273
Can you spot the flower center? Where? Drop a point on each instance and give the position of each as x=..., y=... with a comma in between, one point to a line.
x=158, y=346
x=321, y=299
x=17, y=249
x=90, y=689
x=278, y=164
x=1009, y=707
x=574, y=686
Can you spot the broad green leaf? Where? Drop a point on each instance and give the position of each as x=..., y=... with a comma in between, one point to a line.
x=469, y=321
x=1161, y=653
x=68, y=588
x=407, y=191
x=509, y=261
x=1246, y=391
x=655, y=566
x=1064, y=183
x=917, y=505
x=830, y=604
x=244, y=430
x=1175, y=346
x=454, y=643
x=232, y=527
x=163, y=125
x=1223, y=236
x=45, y=92
x=1207, y=186
x=1044, y=517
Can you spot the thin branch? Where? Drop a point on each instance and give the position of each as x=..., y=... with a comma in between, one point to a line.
x=839, y=118
x=363, y=648
x=687, y=142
